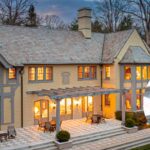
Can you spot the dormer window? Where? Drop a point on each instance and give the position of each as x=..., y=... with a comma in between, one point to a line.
x=12, y=73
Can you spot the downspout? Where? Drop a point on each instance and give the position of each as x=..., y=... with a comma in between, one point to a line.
x=101, y=72
x=21, y=73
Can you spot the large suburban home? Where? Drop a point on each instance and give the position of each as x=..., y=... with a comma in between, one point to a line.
x=47, y=74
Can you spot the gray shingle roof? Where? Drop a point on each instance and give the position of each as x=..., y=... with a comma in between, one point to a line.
x=114, y=42
x=137, y=55
x=24, y=45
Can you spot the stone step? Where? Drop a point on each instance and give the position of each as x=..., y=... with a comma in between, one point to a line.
x=98, y=133
x=130, y=145
x=98, y=136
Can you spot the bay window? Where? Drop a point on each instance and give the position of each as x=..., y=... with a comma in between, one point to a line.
x=138, y=72
x=144, y=72
x=86, y=72
x=127, y=73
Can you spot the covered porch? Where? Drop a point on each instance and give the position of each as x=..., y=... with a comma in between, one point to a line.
x=59, y=94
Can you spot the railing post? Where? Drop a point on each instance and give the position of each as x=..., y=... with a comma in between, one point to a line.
x=57, y=115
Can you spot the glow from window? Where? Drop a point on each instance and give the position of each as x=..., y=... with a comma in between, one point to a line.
x=12, y=73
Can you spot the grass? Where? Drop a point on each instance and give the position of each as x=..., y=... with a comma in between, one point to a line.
x=146, y=147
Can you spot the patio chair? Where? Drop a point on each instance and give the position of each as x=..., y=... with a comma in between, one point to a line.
x=11, y=132
x=95, y=119
x=88, y=117
x=102, y=118
x=47, y=126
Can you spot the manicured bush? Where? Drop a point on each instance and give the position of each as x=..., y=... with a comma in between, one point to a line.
x=63, y=136
x=130, y=123
x=138, y=117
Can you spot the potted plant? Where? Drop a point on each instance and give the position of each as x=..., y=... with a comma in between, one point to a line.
x=63, y=140
x=130, y=126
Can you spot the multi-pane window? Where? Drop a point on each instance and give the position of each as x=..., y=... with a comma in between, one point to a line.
x=148, y=70
x=107, y=72
x=127, y=73
x=31, y=73
x=66, y=106
x=86, y=72
x=48, y=73
x=128, y=100
x=138, y=99
x=40, y=73
x=144, y=72
x=107, y=100
x=138, y=72
x=12, y=73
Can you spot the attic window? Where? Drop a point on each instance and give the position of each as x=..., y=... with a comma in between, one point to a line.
x=12, y=73
x=127, y=73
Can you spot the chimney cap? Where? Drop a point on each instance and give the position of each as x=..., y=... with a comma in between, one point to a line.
x=84, y=8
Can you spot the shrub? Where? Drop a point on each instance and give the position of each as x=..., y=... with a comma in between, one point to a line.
x=138, y=117
x=130, y=123
x=63, y=136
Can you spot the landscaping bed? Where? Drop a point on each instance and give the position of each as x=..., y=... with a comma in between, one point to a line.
x=146, y=147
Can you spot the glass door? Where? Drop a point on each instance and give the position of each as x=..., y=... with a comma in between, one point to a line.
x=41, y=110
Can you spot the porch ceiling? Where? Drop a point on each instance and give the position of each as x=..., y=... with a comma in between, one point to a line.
x=75, y=92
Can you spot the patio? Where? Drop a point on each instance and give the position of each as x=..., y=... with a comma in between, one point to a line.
x=31, y=135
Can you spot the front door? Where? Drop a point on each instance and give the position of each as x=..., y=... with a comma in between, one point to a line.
x=41, y=110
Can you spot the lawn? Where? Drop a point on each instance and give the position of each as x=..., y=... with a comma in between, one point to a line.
x=146, y=147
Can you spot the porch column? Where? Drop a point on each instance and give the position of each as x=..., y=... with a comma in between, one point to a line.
x=57, y=115
x=123, y=109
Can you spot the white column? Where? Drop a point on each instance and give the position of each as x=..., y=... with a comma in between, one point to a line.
x=123, y=109
x=57, y=115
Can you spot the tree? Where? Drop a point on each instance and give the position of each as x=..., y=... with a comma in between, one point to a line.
x=32, y=17
x=54, y=22
x=140, y=9
x=13, y=12
x=74, y=25
x=110, y=13
x=126, y=23
x=97, y=26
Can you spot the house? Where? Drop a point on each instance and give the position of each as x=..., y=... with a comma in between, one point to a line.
x=65, y=74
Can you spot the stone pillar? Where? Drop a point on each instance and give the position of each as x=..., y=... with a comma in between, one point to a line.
x=57, y=115
x=123, y=109
x=133, y=87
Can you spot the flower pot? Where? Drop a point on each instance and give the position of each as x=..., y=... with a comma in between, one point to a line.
x=131, y=130
x=63, y=145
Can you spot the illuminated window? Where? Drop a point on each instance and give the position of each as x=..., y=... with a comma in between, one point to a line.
x=90, y=103
x=127, y=72
x=128, y=100
x=40, y=73
x=107, y=72
x=107, y=100
x=87, y=72
x=148, y=72
x=41, y=109
x=144, y=72
x=62, y=107
x=12, y=73
x=31, y=73
x=138, y=99
x=138, y=73
x=68, y=106
x=48, y=73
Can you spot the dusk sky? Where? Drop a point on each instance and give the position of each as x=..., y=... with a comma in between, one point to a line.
x=66, y=9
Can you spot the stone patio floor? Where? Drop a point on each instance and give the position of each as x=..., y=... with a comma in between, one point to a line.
x=77, y=127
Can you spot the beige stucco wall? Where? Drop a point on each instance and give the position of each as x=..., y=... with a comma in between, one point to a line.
x=56, y=83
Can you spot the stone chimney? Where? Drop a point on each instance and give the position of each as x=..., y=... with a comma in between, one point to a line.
x=84, y=22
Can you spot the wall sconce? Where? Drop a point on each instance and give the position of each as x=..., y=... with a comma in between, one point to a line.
x=54, y=105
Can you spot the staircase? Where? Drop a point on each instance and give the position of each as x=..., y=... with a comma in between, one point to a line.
x=98, y=136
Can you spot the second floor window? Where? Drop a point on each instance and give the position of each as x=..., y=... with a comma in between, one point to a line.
x=12, y=73
x=127, y=73
x=87, y=72
x=107, y=72
x=40, y=73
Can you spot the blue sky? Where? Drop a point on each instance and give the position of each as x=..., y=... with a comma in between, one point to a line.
x=66, y=9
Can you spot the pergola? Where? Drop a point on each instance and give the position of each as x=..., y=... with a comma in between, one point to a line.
x=58, y=94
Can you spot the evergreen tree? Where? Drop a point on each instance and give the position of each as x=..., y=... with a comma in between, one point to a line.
x=126, y=23
x=74, y=25
x=32, y=17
